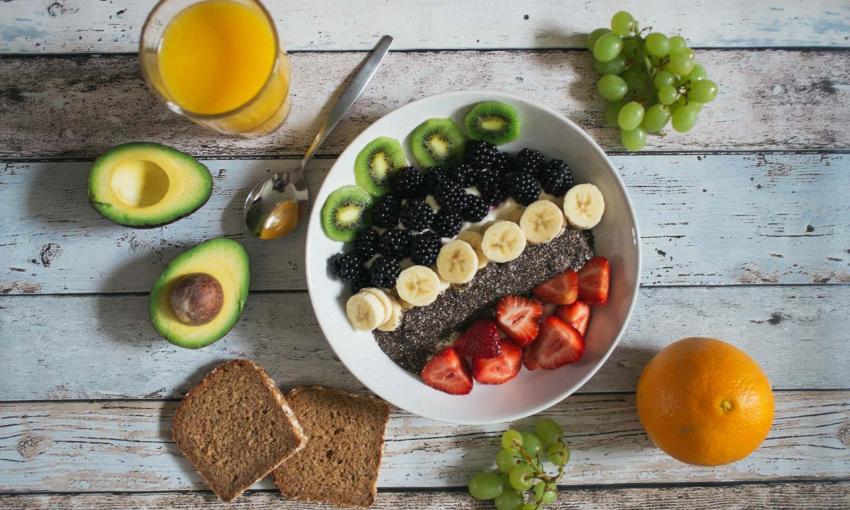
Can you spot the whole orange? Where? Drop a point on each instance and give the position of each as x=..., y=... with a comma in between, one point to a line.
x=704, y=401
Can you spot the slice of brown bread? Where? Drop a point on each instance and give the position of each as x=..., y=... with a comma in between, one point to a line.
x=340, y=463
x=235, y=426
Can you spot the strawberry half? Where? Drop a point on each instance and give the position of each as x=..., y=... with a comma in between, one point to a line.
x=519, y=318
x=529, y=360
x=593, y=281
x=557, y=344
x=559, y=290
x=481, y=340
x=448, y=372
x=576, y=315
x=501, y=369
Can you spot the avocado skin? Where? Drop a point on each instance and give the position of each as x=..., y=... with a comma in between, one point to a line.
x=141, y=222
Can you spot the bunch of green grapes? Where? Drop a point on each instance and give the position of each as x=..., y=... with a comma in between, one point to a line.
x=521, y=483
x=647, y=81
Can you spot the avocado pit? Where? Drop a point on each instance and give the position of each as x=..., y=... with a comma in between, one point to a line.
x=197, y=299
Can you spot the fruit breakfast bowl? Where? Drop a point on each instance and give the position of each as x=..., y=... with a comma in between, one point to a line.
x=615, y=238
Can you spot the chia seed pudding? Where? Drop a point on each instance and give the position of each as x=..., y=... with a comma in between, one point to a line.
x=424, y=328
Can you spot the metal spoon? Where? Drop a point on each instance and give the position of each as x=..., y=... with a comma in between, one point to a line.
x=276, y=204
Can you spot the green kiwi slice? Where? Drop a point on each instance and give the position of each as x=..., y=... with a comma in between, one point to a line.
x=345, y=212
x=376, y=162
x=436, y=142
x=493, y=121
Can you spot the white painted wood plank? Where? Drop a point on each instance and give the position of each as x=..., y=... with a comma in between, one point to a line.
x=749, y=496
x=44, y=26
x=705, y=220
x=103, y=347
x=126, y=446
x=80, y=106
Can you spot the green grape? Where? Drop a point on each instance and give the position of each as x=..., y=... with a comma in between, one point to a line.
x=677, y=44
x=684, y=117
x=630, y=116
x=552, y=486
x=667, y=94
x=663, y=78
x=680, y=64
x=507, y=460
x=655, y=118
x=613, y=66
x=529, y=506
x=509, y=500
x=638, y=82
x=607, y=47
x=688, y=52
x=548, y=431
x=611, y=112
x=512, y=440
x=623, y=23
x=630, y=47
x=522, y=477
x=682, y=101
x=485, y=486
x=697, y=73
x=549, y=497
x=611, y=87
x=633, y=140
x=531, y=444
x=703, y=91
x=595, y=35
x=558, y=454
x=539, y=487
x=657, y=44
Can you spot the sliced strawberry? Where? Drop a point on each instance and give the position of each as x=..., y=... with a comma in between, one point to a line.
x=501, y=369
x=519, y=317
x=560, y=290
x=529, y=360
x=481, y=340
x=448, y=372
x=557, y=344
x=593, y=281
x=576, y=315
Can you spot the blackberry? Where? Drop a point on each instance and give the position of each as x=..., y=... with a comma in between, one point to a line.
x=493, y=194
x=385, y=211
x=449, y=196
x=384, y=272
x=361, y=281
x=474, y=208
x=366, y=244
x=447, y=223
x=556, y=177
x=531, y=159
x=424, y=249
x=395, y=243
x=409, y=182
x=522, y=187
x=481, y=154
x=434, y=178
x=346, y=266
x=466, y=175
x=417, y=215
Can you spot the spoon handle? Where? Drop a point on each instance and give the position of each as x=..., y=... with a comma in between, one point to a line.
x=352, y=92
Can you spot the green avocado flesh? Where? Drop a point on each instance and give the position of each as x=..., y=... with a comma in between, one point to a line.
x=144, y=184
x=224, y=259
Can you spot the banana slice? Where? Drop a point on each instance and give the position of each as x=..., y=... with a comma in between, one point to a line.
x=418, y=285
x=394, y=321
x=457, y=262
x=584, y=205
x=385, y=300
x=364, y=311
x=503, y=241
x=474, y=239
x=541, y=222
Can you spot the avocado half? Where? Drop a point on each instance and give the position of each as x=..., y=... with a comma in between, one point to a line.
x=145, y=185
x=224, y=259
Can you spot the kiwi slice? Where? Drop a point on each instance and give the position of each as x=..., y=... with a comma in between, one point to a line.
x=436, y=142
x=374, y=165
x=345, y=212
x=492, y=121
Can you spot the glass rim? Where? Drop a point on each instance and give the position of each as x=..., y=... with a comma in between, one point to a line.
x=172, y=105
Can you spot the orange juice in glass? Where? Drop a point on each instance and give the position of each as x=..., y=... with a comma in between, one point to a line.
x=217, y=62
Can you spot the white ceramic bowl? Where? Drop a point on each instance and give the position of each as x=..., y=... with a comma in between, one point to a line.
x=616, y=238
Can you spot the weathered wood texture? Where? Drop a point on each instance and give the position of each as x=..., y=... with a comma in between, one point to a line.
x=126, y=445
x=79, y=106
x=748, y=496
x=81, y=347
x=762, y=219
x=44, y=26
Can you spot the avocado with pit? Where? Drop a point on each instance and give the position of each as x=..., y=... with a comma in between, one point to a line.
x=146, y=185
x=200, y=295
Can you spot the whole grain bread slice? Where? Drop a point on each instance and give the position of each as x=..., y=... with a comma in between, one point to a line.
x=341, y=461
x=235, y=427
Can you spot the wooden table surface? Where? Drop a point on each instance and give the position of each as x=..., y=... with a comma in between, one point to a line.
x=745, y=222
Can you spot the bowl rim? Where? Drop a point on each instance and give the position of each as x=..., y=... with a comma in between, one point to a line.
x=494, y=95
